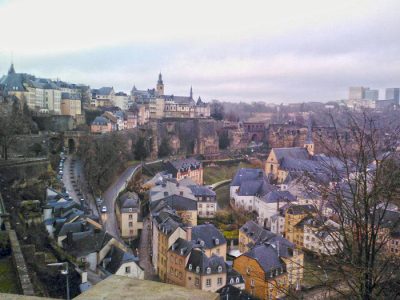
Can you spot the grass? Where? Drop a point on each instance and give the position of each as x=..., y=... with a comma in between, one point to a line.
x=314, y=275
x=8, y=278
x=222, y=172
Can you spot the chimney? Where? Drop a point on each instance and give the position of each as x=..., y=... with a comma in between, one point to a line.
x=69, y=238
x=189, y=233
x=84, y=277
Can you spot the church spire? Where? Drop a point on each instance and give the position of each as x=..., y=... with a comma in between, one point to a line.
x=11, y=70
x=309, y=144
x=160, y=81
x=191, y=92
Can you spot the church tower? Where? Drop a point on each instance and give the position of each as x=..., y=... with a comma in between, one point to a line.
x=309, y=144
x=160, y=85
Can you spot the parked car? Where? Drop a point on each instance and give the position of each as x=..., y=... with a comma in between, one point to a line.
x=104, y=209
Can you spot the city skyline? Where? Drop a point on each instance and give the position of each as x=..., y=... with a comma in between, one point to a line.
x=259, y=53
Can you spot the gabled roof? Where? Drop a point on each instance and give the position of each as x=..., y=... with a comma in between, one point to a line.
x=182, y=165
x=117, y=258
x=255, y=231
x=267, y=257
x=199, y=191
x=128, y=200
x=92, y=243
x=247, y=174
x=198, y=261
x=281, y=196
x=209, y=235
x=100, y=121
x=175, y=202
x=182, y=247
x=298, y=209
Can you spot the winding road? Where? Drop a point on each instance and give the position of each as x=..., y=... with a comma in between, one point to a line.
x=109, y=197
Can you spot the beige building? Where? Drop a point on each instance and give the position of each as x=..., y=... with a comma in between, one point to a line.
x=128, y=215
x=186, y=168
x=205, y=273
x=70, y=105
x=178, y=256
x=210, y=239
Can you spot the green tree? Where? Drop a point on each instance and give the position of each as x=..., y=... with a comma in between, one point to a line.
x=140, y=150
x=164, y=149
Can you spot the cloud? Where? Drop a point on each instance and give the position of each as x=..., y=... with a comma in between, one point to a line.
x=258, y=50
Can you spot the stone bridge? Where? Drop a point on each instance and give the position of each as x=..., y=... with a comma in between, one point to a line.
x=71, y=139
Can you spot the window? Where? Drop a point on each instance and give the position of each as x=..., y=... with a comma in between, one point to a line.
x=197, y=269
x=219, y=269
x=190, y=266
x=237, y=280
x=127, y=269
x=130, y=224
x=130, y=217
x=252, y=283
x=248, y=270
x=197, y=282
x=219, y=281
x=231, y=281
x=208, y=282
x=208, y=270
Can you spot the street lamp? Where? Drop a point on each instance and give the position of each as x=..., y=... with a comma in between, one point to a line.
x=63, y=272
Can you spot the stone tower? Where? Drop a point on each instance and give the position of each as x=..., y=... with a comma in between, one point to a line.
x=160, y=85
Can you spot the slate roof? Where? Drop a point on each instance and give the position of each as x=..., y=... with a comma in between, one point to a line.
x=118, y=257
x=246, y=174
x=267, y=257
x=128, y=200
x=168, y=223
x=200, y=191
x=231, y=292
x=182, y=165
x=281, y=196
x=70, y=227
x=199, y=259
x=104, y=91
x=100, y=121
x=182, y=247
x=259, y=187
x=175, y=202
x=298, y=209
x=92, y=243
x=209, y=234
x=255, y=231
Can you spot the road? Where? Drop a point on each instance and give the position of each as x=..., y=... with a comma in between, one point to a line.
x=74, y=182
x=109, y=197
x=145, y=250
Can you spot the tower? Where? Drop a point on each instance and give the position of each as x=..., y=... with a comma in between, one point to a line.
x=11, y=70
x=309, y=144
x=191, y=92
x=160, y=85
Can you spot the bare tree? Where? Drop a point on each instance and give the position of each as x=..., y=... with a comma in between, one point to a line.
x=359, y=180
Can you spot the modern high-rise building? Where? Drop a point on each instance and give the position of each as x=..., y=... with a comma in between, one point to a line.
x=393, y=94
x=371, y=95
x=357, y=92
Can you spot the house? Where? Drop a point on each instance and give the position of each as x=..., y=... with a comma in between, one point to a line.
x=169, y=231
x=204, y=196
x=294, y=222
x=178, y=256
x=210, y=239
x=204, y=272
x=119, y=262
x=186, y=168
x=103, y=96
x=251, y=191
x=128, y=215
x=264, y=272
x=185, y=208
x=251, y=234
x=90, y=249
x=206, y=200
x=100, y=125
x=233, y=277
x=322, y=236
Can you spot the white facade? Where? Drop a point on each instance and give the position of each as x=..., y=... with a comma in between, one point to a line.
x=121, y=101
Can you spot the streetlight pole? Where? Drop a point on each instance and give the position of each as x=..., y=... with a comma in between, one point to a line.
x=63, y=272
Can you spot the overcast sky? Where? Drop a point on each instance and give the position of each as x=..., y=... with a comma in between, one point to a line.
x=267, y=50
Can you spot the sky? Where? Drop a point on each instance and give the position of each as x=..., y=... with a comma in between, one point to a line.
x=273, y=51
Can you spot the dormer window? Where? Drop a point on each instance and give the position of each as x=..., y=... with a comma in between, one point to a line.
x=231, y=281
x=208, y=270
x=190, y=267
x=197, y=269
x=219, y=269
x=237, y=280
x=248, y=270
x=216, y=241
